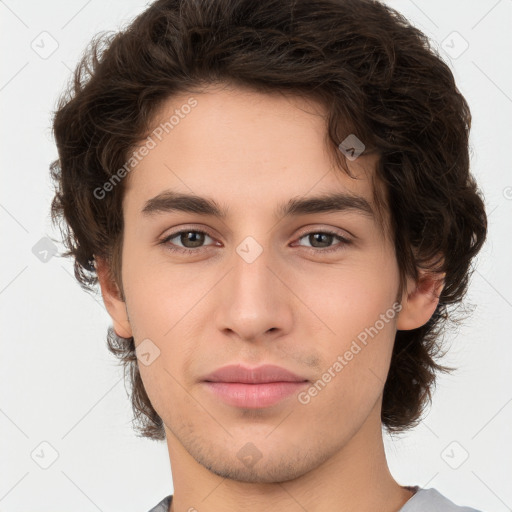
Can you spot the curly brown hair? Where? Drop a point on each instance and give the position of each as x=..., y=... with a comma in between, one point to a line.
x=377, y=77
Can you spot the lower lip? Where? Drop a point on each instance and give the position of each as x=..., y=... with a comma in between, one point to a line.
x=254, y=396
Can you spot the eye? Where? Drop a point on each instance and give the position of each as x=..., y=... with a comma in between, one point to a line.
x=191, y=238
x=319, y=240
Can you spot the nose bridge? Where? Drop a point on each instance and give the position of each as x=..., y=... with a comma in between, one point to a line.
x=253, y=301
x=252, y=279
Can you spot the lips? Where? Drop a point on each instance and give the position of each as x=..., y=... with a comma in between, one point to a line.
x=253, y=388
x=260, y=375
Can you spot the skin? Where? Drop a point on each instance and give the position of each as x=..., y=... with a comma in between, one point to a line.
x=292, y=307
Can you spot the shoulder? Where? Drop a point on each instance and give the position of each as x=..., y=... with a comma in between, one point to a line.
x=424, y=500
x=163, y=506
x=431, y=500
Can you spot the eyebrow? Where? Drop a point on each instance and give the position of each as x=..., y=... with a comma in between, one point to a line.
x=171, y=201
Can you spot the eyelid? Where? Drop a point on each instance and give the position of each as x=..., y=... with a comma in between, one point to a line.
x=186, y=228
x=345, y=235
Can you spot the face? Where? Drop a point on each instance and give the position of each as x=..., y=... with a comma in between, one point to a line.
x=312, y=291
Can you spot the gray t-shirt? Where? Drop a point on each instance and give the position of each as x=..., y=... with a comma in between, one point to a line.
x=423, y=500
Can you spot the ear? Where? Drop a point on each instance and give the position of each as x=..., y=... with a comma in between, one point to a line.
x=420, y=300
x=115, y=305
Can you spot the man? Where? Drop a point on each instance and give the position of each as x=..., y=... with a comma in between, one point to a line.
x=275, y=199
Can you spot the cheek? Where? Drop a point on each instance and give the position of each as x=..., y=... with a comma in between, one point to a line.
x=159, y=293
x=355, y=369
x=358, y=312
x=349, y=297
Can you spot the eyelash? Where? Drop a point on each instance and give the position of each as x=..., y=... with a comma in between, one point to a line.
x=184, y=250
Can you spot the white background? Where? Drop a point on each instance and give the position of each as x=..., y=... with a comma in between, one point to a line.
x=59, y=383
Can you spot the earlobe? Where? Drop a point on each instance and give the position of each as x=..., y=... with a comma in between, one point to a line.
x=420, y=301
x=115, y=305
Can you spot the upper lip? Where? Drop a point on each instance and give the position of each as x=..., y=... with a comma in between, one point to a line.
x=258, y=375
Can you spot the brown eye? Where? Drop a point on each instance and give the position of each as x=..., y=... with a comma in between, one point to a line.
x=195, y=238
x=321, y=241
x=189, y=240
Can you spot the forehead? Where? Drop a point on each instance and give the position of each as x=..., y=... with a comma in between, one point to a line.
x=246, y=149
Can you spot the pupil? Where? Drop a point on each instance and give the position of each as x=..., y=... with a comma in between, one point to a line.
x=320, y=235
x=199, y=238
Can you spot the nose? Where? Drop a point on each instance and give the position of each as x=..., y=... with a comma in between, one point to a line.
x=254, y=301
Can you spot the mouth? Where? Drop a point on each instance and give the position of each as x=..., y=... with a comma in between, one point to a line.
x=254, y=388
